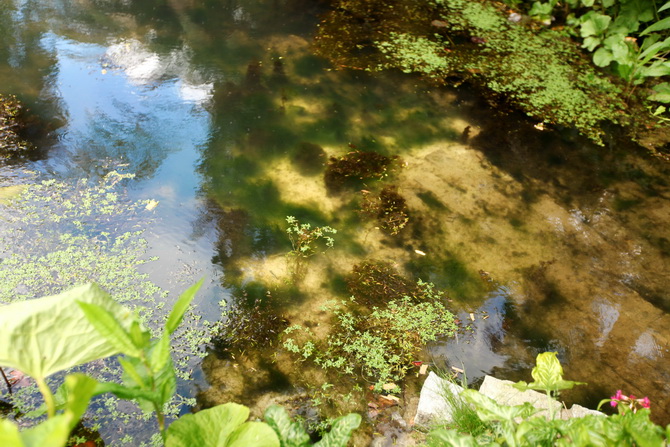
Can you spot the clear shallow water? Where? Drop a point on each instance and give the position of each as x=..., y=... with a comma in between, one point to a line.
x=211, y=104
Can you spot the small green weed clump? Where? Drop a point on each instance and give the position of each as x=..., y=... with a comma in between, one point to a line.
x=305, y=238
x=378, y=343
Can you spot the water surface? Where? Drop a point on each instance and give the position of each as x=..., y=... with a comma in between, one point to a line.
x=226, y=118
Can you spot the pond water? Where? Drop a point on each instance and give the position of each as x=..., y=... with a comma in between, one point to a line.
x=226, y=118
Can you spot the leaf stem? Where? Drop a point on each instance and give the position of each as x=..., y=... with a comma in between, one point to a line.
x=47, y=395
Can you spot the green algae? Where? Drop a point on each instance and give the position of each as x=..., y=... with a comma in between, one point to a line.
x=57, y=234
x=543, y=73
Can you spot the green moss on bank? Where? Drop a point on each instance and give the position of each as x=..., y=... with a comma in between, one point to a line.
x=542, y=73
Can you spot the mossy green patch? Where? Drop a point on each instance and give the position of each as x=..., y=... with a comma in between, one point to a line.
x=542, y=72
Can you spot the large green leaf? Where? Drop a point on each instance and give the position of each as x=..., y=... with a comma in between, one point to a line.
x=602, y=57
x=489, y=410
x=54, y=432
x=340, y=431
x=253, y=433
x=654, y=49
x=107, y=325
x=50, y=334
x=221, y=426
x=594, y=24
x=291, y=434
x=9, y=434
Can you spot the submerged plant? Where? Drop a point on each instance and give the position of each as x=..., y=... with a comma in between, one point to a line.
x=375, y=283
x=358, y=165
x=305, y=238
x=10, y=127
x=378, y=344
x=389, y=209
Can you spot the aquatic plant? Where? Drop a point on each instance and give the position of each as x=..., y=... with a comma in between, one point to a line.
x=249, y=326
x=389, y=209
x=305, y=238
x=374, y=283
x=11, y=143
x=358, y=165
x=378, y=344
x=542, y=73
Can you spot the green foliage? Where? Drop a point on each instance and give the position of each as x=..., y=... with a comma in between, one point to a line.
x=609, y=34
x=378, y=344
x=85, y=324
x=548, y=375
x=416, y=54
x=55, y=234
x=540, y=72
x=463, y=417
x=27, y=342
x=292, y=434
x=628, y=36
x=56, y=430
x=149, y=374
x=221, y=426
x=516, y=426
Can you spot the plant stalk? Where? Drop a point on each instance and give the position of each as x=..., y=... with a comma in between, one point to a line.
x=47, y=395
x=4, y=376
x=161, y=421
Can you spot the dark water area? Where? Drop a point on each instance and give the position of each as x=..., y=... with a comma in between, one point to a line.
x=226, y=118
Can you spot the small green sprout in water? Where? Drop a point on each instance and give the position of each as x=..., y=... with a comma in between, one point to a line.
x=304, y=238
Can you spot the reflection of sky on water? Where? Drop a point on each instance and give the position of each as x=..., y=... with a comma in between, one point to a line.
x=476, y=350
x=130, y=109
x=123, y=104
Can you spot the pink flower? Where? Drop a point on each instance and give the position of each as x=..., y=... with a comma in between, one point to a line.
x=645, y=402
x=616, y=398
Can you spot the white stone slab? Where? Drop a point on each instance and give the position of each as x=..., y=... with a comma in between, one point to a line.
x=433, y=405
